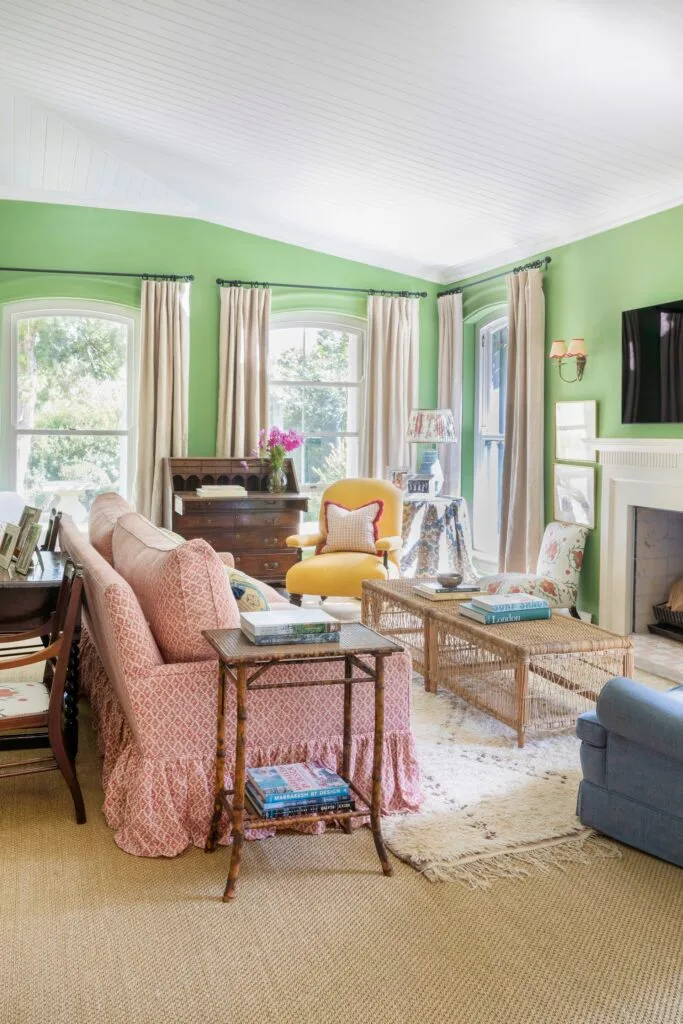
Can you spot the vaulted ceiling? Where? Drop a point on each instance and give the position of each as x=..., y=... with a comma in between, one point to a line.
x=437, y=137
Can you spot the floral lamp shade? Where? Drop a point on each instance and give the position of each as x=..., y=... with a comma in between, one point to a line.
x=432, y=426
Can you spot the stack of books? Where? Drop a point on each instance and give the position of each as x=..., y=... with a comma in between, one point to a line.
x=286, y=790
x=435, y=592
x=290, y=626
x=221, y=491
x=494, y=608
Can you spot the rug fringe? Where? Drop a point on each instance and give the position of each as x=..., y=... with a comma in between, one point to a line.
x=523, y=863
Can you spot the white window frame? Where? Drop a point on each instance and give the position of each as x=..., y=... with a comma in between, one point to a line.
x=25, y=309
x=330, y=322
x=482, y=400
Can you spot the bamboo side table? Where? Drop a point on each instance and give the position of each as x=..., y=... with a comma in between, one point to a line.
x=242, y=663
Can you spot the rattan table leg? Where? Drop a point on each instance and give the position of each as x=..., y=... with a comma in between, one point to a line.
x=522, y=688
x=239, y=786
x=430, y=654
x=219, y=776
x=346, y=752
x=629, y=665
x=376, y=807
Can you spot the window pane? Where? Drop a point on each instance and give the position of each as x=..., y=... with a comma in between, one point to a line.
x=72, y=373
x=69, y=472
x=286, y=353
x=286, y=403
x=322, y=461
x=498, y=381
x=312, y=409
x=331, y=355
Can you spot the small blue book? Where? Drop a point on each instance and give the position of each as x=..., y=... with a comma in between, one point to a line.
x=493, y=618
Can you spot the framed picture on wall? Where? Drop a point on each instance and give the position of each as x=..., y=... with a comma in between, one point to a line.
x=575, y=494
x=575, y=431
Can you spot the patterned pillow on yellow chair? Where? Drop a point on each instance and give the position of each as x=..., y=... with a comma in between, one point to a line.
x=352, y=529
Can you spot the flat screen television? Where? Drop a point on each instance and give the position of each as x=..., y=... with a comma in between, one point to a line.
x=652, y=364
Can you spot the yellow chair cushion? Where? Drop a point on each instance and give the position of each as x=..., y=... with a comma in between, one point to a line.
x=337, y=574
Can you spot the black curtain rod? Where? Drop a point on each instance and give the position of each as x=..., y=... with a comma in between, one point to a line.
x=317, y=288
x=100, y=273
x=534, y=265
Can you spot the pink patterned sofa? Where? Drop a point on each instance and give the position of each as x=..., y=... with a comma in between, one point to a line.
x=151, y=682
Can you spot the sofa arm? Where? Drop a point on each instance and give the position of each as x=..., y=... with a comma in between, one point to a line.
x=304, y=540
x=644, y=716
x=389, y=543
x=226, y=558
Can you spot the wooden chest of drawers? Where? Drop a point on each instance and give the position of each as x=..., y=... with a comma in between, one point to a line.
x=253, y=529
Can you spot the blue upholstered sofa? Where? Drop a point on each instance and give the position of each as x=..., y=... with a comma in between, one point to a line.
x=632, y=761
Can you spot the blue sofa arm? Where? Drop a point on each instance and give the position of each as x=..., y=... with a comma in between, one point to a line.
x=642, y=715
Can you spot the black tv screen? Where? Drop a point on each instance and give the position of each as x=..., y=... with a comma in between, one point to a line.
x=652, y=364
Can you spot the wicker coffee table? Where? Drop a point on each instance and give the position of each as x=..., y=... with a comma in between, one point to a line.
x=535, y=676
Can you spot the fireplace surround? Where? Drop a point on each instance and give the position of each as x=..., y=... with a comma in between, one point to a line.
x=645, y=473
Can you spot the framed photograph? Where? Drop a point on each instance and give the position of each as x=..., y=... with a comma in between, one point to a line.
x=399, y=477
x=25, y=556
x=8, y=544
x=575, y=494
x=29, y=516
x=420, y=484
x=575, y=431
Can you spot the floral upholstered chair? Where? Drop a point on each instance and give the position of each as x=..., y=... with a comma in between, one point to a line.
x=557, y=570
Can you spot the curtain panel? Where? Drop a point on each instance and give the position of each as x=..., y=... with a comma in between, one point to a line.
x=390, y=391
x=450, y=385
x=163, y=390
x=522, y=514
x=242, y=370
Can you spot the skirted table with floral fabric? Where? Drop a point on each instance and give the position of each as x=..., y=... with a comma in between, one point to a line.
x=436, y=538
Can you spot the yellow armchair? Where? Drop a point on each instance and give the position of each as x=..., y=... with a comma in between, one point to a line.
x=341, y=573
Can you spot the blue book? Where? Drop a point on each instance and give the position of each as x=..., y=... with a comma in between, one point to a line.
x=303, y=780
x=493, y=618
x=287, y=799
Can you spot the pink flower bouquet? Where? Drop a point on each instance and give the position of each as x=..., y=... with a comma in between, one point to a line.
x=275, y=445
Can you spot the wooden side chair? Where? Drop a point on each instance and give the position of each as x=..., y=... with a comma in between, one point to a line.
x=29, y=706
x=52, y=532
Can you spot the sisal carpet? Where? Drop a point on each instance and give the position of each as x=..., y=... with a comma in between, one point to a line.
x=90, y=934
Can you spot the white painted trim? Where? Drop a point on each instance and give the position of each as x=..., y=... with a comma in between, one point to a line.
x=25, y=308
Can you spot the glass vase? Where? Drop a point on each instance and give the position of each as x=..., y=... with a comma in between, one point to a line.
x=276, y=481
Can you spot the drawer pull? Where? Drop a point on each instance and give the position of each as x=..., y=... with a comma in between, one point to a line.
x=271, y=565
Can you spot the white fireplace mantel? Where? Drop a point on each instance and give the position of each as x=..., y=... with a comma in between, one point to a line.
x=645, y=472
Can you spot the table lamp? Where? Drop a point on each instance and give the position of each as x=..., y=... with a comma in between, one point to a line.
x=432, y=426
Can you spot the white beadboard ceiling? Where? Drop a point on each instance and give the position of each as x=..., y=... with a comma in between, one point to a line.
x=438, y=138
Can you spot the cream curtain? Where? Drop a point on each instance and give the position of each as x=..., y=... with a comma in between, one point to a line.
x=163, y=393
x=522, y=498
x=242, y=370
x=450, y=385
x=390, y=391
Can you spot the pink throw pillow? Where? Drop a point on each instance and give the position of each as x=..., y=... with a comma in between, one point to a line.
x=182, y=588
x=352, y=529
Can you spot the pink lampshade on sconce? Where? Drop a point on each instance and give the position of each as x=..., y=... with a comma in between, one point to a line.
x=558, y=350
x=577, y=347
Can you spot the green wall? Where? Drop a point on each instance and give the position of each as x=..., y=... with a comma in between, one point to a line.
x=587, y=286
x=74, y=237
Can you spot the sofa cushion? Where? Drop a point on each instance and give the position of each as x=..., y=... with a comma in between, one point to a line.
x=106, y=509
x=182, y=588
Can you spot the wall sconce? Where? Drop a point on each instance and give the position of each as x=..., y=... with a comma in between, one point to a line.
x=576, y=350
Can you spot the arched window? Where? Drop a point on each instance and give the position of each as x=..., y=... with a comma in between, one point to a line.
x=315, y=370
x=69, y=402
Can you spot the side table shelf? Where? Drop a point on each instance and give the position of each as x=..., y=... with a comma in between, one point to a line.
x=243, y=664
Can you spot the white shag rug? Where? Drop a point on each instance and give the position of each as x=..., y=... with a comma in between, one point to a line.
x=490, y=809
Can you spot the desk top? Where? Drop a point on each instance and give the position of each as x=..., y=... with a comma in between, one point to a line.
x=48, y=578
